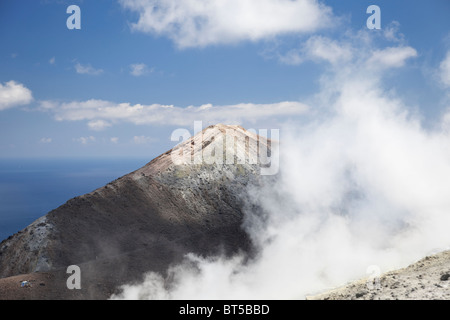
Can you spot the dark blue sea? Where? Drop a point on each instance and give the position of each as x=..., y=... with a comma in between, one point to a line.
x=30, y=188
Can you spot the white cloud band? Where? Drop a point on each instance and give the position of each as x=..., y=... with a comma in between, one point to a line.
x=198, y=23
x=100, y=114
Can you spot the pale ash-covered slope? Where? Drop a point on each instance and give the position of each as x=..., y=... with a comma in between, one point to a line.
x=427, y=279
x=147, y=219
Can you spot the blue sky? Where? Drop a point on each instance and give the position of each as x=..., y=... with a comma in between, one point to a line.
x=238, y=65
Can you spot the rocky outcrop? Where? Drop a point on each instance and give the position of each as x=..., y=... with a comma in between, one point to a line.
x=427, y=279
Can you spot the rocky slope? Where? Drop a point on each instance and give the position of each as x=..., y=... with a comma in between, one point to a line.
x=143, y=221
x=427, y=279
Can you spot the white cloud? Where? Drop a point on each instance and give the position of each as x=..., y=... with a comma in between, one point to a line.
x=87, y=69
x=98, y=125
x=52, y=60
x=139, y=69
x=391, y=32
x=85, y=140
x=328, y=50
x=46, y=140
x=392, y=57
x=199, y=23
x=319, y=48
x=444, y=70
x=100, y=113
x=356, y=51
x=14, y=94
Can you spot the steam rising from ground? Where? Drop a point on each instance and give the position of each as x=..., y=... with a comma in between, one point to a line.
x=362, y=183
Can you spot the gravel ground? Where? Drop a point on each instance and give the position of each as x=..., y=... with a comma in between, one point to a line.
x=39, y=286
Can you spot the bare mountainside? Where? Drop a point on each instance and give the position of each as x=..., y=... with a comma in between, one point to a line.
x=144, y=221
